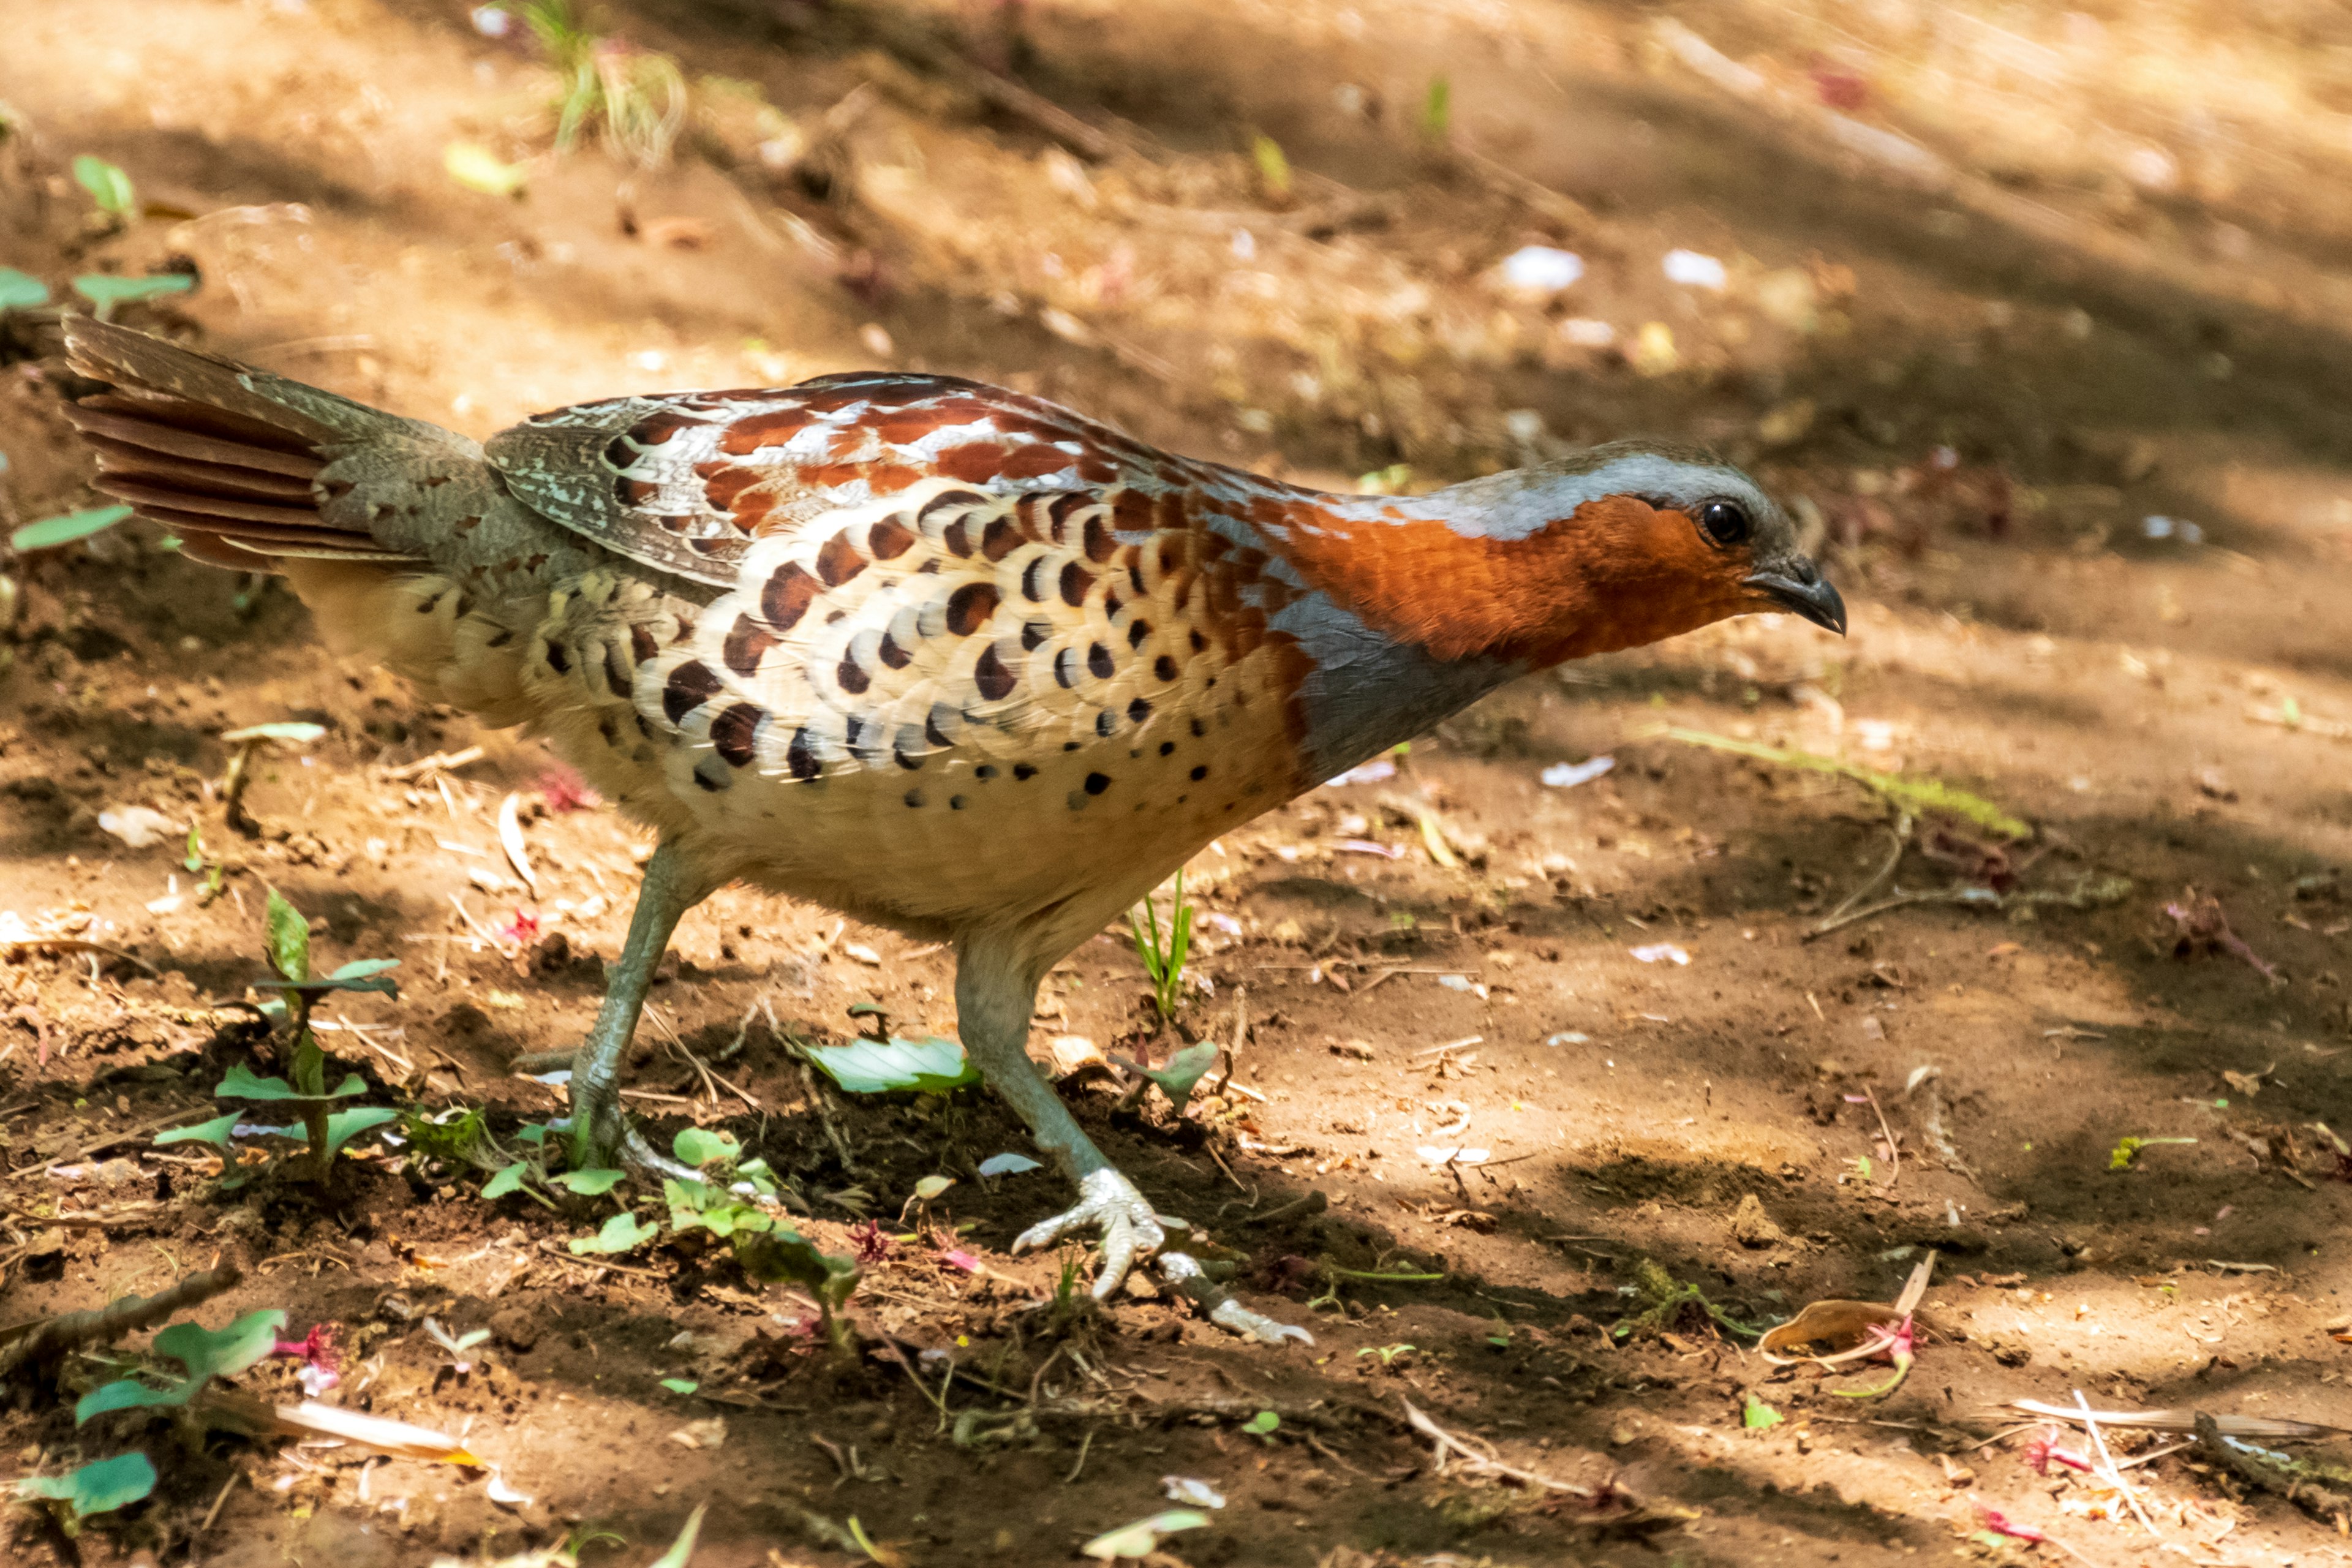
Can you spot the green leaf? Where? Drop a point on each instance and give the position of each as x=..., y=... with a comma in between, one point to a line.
x=621, y=1233
x=225, y=1352
x=780, y=1254
x=683, y=1547
x=49, y=532
x=590, y=1184
x=478, y=168
x=107, y=293
x=130, y=1394
x=376, y=984
x=1184, y=1070
x=97, y=1488
x=21, y=290
x=680, y=1384
x=290, y=938
x=932, y=1066
x=217, y=1131
x=696, y=1148
x=1759, y=1417
x=345, y=1125
x=294, y=733
x=509, y=1180
x=1141, y=1539
x=360, y=968
x=238, y=1083
x=107, y=186
x=1261, y=1425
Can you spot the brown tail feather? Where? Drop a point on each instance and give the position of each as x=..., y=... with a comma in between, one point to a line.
x=226, y=455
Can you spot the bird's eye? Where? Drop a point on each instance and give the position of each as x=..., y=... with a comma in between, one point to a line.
x=1725, y=522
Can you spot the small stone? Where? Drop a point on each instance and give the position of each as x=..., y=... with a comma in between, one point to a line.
x=1751, y=1227
x=515, y=1327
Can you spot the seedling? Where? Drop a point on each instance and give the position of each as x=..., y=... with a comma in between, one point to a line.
x=101, y=1487
x=110, y=188
x=2127, y=1150
x=1388, y=1354
x=726, y=1202
x=1665, y=1299
x=202, y=1354
x=456, y=1345
x=1759, y=1417
x=106, y=292
x=636, y=96
x=202, y=866
x=307, y=1094
x=1262, y=1426
x=1163, y=956
x=21, y=290
x=1273, y=167
x=49, y=532
x=1178, y=1078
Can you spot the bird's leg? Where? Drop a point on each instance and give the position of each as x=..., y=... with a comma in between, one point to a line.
x=599, y=1130
x=994, y=997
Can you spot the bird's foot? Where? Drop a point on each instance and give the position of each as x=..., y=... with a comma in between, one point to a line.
x=604, y=1138
x=1107, y=1201
x=1131, y=1231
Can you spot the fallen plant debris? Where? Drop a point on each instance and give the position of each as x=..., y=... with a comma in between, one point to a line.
x=2200, y=928
x=1833, y=1333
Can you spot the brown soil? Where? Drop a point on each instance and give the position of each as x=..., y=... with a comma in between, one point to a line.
x=2124, y=305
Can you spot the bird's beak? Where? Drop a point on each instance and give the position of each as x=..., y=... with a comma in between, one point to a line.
x=1804, y=591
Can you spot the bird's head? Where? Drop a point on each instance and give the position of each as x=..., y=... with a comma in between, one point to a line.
x=1615, y=547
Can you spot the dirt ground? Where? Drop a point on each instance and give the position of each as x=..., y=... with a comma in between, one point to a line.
x=2059, y=377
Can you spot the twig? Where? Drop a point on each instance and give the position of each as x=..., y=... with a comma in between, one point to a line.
x=1483, y=1464
x=116, y=1319
x=439, y=762
x=2115, y=1477
x=1085, y=1444
x=212, y=1513
x=1901, y=829
x=1894, y=1149
x=559, y=1253
x=72, y=944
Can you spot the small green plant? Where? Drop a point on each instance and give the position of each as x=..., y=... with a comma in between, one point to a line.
x=100, y=1487
x=1388, y=1354
x=202, y=1354
x=2127, y=1150
x=1164, y=954
x=307, y=1095
x=725, y=1202
x=208, y=871
x=105, y=290
x=1665, y=1299
x=1759, y=1417
x=49, y=532
x=1262, y=1426
x=21, y=290
x=107, y=186
x=636, y=96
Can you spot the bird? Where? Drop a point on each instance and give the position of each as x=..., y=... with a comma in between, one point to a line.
x=948, y=659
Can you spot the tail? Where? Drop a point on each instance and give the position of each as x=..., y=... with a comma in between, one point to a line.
x=229, y=458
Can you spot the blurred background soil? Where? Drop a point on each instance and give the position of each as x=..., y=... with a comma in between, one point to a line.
x=2036, y=316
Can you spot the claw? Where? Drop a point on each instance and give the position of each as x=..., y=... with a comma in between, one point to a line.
x=1130, y=1230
